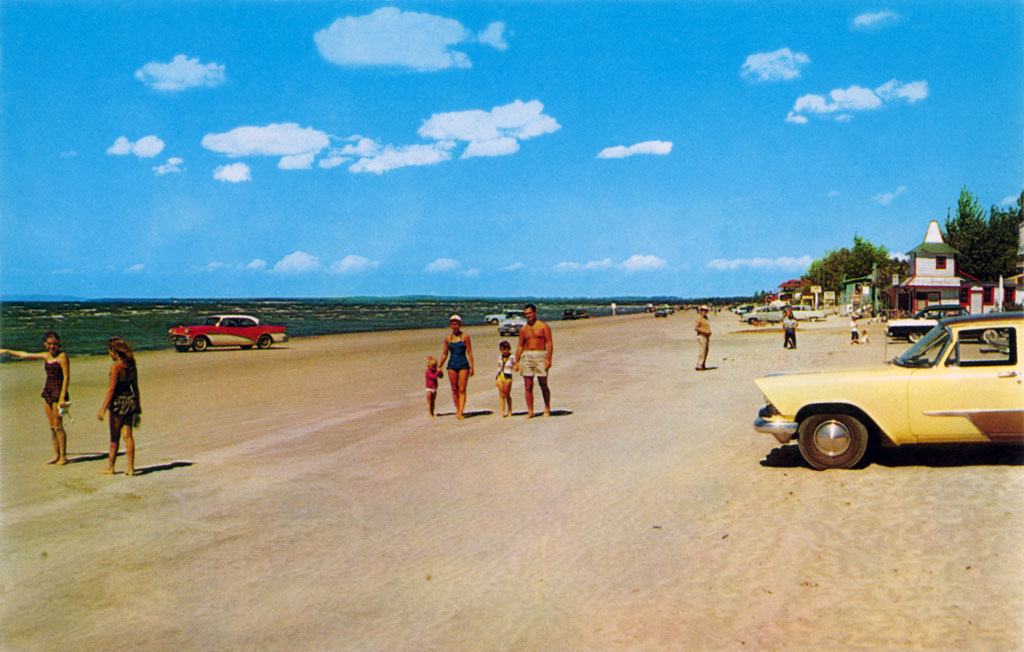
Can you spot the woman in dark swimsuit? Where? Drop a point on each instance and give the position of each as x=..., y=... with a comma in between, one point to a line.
x=124, y=402
x=459, y=352
x=55, y=391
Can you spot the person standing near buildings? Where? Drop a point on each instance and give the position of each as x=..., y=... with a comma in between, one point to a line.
x=703, y=329
x=789, y=329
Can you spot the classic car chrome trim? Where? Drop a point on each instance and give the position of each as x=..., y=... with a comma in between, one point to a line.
x=781, y=429
x=998, y=425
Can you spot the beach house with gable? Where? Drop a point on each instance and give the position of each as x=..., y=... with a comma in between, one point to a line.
x=935, y=279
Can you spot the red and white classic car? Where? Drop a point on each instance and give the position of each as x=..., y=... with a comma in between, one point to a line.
x=226, y=330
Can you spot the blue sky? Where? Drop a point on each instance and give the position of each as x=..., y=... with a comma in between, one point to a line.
x=323, y=149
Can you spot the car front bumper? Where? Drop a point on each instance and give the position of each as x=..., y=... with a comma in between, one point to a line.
x=780, y=428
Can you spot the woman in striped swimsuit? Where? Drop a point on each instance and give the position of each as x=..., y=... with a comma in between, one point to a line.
x=55, y=391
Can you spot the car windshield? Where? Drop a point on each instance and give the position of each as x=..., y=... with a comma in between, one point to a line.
x=927, y=351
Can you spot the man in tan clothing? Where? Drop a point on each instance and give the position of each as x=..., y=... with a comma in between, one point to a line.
x=533, y=357
x=703, y=329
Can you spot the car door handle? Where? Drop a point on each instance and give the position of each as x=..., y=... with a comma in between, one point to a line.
x=1008, y=374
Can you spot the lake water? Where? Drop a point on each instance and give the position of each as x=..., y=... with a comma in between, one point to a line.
x=84, y=326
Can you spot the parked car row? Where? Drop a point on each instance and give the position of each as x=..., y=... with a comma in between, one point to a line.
x=773, y=314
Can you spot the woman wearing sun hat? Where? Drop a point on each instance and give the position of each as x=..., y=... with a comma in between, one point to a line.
x=458, y=350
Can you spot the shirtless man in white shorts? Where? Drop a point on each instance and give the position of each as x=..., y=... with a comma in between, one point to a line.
x=533, y=357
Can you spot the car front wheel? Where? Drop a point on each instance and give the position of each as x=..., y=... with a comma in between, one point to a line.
x=914, y=336
x=200, y=343
x=264, y=342
x=832, y=441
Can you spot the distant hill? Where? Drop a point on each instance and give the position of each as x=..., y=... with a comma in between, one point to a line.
x=39, y=297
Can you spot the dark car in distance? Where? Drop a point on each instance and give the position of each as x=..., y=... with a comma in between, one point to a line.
x=575, y=313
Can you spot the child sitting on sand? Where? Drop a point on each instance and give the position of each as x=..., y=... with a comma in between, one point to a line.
x=864, y=339
x=433, y=373
x=506, y=364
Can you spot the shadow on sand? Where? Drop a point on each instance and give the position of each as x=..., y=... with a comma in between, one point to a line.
x=88, y=457
x=146, y=470
x=554, y=413
x=467, y=415
x=935, y=456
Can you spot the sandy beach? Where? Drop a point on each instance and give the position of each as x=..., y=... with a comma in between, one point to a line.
x=301, y=499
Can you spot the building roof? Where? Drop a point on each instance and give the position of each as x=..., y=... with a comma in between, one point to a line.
x=933, y=244
x=934, y=249
x=791, y=284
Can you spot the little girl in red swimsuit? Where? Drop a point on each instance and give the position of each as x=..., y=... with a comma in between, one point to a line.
x=433, y=373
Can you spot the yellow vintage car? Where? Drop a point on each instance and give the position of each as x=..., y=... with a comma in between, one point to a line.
x=962, y=382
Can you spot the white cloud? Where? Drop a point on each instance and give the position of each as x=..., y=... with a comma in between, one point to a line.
x=392, y=37
x=234, y=173
x=360, y=146
x=833, y=193
x=494, y=36
x=284, y=139
x=590, y=266
x=137, y=267
x=782, y=263
x=894, y=89
x=353, y=263
x=256, y=264
x=297, y=262
x=1009, y=201
x=443, y=266
x=486, y=133
x=656, y=147
x=514, y=267
x=69, y=154
x=179, y=74
x=332, y=162
x=145, y=147
x=842, y=101
x=887, y=198
x=392, y=158
x=172, y=165
x=496, y=147
x=640, y=263
x=519, y=120
x=215, y=266
x=877, y=20
x=296, y=162
x=781, y=65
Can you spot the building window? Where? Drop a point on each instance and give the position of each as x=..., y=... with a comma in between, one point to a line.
x=987, y=296
x=940, y=262
x=965, y=296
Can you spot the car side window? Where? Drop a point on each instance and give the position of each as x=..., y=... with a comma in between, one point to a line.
x=985, y=347
x=246, y=323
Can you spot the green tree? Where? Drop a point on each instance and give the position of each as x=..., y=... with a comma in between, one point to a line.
x=1003, y=227
x=987, y=246
x=966, y=233
x=829, y=271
